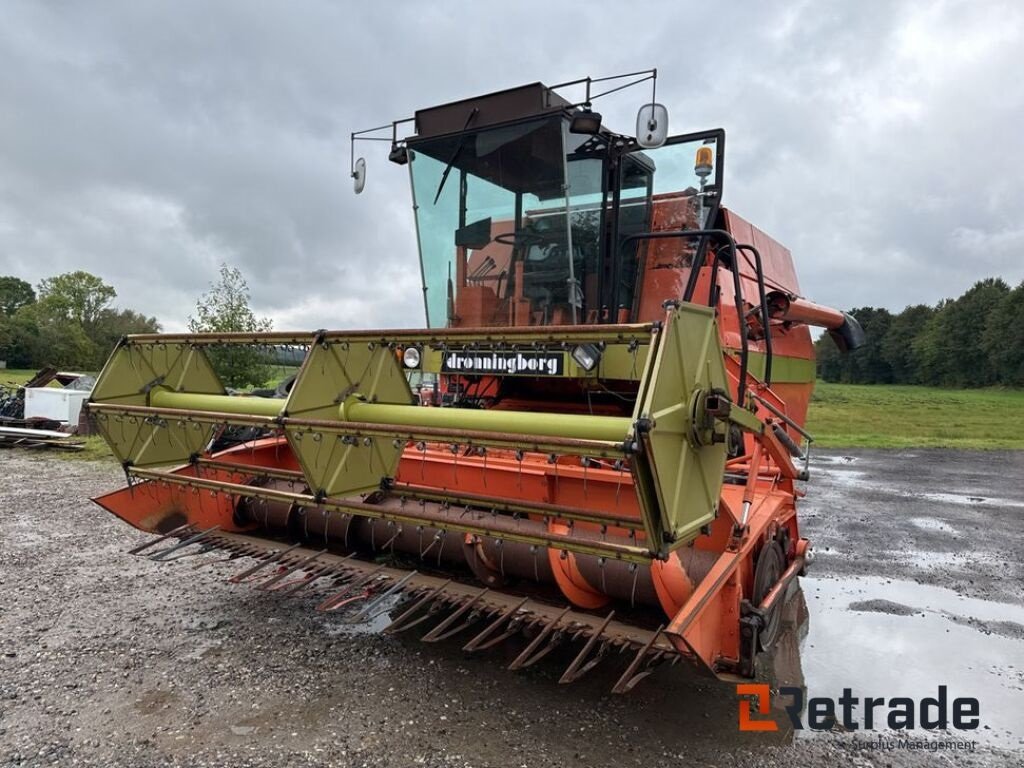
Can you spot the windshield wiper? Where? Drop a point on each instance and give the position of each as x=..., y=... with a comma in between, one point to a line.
x=455, y=154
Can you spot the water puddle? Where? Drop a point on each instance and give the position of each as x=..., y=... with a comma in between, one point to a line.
x=835, y=469
x=845, y=477
x=374, y=623
x=931, y=524
x=834, y=460
x=966, y=499
x=891, y=638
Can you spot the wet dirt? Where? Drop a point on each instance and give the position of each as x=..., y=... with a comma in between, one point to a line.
x=108, y=659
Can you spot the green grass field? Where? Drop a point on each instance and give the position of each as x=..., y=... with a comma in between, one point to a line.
x=856, y=416
x=881, y=416
x=15, y=376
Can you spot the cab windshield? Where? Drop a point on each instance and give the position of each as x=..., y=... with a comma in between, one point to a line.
x=504, y=237
x=515, y=222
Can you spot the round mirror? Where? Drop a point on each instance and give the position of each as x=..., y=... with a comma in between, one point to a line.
x=651, y=126
x=359, y=175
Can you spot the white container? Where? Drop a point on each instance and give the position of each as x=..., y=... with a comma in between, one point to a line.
x=62, y=405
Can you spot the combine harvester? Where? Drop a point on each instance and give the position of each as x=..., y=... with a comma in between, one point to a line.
x=609, y=454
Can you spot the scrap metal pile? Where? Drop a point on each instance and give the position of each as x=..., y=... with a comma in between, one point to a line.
x=18, y=431
x=609, y=458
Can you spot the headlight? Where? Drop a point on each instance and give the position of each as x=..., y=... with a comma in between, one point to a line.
x=411, y=357
x=587, y=356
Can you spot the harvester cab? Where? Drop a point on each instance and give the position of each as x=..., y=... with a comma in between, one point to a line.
x=608, y=457
x=526, y=214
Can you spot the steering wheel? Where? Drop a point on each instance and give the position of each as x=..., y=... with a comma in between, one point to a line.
x=520, y=239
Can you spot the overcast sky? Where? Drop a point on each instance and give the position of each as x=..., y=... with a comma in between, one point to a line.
x=147, y=142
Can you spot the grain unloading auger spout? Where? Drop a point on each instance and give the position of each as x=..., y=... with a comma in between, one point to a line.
x=496, y=514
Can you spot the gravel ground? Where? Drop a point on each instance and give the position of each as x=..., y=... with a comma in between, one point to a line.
x=112, y=660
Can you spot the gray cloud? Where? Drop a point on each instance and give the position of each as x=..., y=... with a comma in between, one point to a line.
x=147, y=142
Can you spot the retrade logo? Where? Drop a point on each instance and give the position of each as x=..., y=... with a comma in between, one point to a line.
x=764, y=707
x=898, y=713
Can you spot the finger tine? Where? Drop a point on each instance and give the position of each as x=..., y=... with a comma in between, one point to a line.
x=477, y=643
x=577, y=668
x=151, y=542
x=529, y=656
x=441, y=631
x=630, y=677
x=402, y=622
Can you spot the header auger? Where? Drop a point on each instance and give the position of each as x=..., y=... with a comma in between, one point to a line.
x=608, y=427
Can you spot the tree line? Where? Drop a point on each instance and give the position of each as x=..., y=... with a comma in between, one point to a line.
x=67, y=322
x=976, y=340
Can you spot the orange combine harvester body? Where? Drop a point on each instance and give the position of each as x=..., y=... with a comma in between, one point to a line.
x=607, y=435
